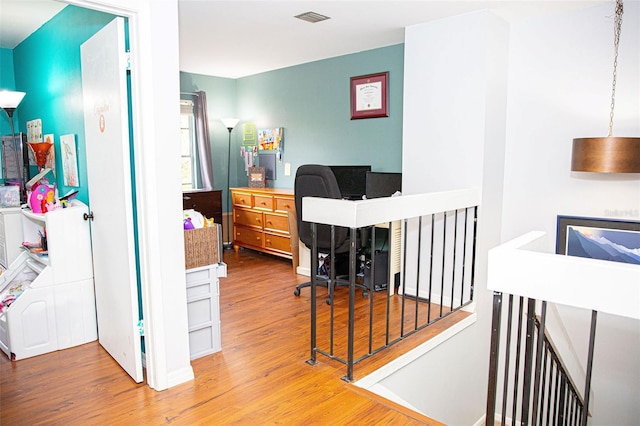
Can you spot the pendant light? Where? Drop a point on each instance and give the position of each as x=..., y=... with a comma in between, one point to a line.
x=609, y=154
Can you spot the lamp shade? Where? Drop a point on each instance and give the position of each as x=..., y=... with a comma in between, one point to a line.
x=606, y=155
x=10, y=99
x=230, y=123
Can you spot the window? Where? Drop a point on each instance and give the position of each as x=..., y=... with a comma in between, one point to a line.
x=189, y=156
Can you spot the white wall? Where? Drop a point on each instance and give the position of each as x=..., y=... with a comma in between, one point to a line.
x=560, y=73
x=153, y=30
x=559, y=87
x=454, y=121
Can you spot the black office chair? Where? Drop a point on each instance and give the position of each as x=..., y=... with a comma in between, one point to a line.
x=314, y=180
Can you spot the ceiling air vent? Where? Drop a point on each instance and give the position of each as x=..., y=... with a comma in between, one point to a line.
x=312, y=17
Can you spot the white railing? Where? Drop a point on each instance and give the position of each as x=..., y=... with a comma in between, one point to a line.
x=437, y=254
x=521, y=270
x=521, y=267
x=361, y=213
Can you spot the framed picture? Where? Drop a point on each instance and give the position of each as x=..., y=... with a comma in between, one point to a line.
x=256, y=177
x=369, y=96
x=604, y=239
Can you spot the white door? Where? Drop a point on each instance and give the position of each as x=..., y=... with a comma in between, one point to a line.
x=106, y=123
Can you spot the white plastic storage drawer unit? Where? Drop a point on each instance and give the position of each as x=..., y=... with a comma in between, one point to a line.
x=48, y=301
x=203, y=309
x=10, y=235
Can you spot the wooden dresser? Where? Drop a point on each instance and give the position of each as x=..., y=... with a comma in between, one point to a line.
x=260, y=219
x=207, y=202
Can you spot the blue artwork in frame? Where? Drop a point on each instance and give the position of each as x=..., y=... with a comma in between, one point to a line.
x=605, y=239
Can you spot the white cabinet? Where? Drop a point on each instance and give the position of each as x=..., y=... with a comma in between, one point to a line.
x=203, y=309
x=10, y=235
x=52, y=299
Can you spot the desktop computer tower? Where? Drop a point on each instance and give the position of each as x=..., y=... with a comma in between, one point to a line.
x=381, y=271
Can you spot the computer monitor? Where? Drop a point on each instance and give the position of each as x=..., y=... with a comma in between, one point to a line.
x=380, y=184
x=352, y=180
x=268, y=161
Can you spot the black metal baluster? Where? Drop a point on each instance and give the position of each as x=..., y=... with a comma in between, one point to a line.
x=528, y=361
x=507, y=359
x=453, y=261
x=538, y=367
x=444, y=257
x=433, y=227
x=417, y=298
x=493, y=357
x=314, y=277
x=464, y=254
x=352, y=297
x=517, y=364
x=587, y=387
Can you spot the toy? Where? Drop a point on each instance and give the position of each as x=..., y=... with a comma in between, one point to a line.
x=41, y=195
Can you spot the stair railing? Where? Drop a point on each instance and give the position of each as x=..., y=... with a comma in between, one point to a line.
x=436, y=279
x=528, y=382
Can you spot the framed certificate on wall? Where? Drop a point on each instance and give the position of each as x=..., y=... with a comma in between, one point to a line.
x=369, y=96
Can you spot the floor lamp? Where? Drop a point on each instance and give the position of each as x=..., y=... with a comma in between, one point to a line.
x=9, y=101
x=229, y=123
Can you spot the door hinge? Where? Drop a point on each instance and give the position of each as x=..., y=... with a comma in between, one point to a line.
x=140, y=326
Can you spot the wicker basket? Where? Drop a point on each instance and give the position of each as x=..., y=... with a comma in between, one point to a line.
x=202, y=246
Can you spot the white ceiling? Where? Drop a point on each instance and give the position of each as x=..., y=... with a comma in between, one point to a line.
x=236, y=38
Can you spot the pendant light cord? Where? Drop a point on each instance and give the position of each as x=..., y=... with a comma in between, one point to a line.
x=616, y=42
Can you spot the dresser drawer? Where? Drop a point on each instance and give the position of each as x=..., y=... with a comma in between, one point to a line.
x=263, y=202
x=261, y=220
x=274, y=222
x=285, y=204
x=248, y=218
x=277, y=242
x=242, y=199
x=249, y=236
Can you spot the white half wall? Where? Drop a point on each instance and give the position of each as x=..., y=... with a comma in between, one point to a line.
x=560, y=74
x=454, y=121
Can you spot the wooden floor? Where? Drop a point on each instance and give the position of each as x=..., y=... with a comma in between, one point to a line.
x=259, y=378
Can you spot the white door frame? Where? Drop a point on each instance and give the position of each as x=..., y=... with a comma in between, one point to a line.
x=155, y=96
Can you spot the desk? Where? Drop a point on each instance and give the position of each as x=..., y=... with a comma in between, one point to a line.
x=260, y=219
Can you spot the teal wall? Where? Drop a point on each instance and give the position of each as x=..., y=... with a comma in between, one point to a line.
x=47, y=68
x=312, y=103
x=221, y=103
